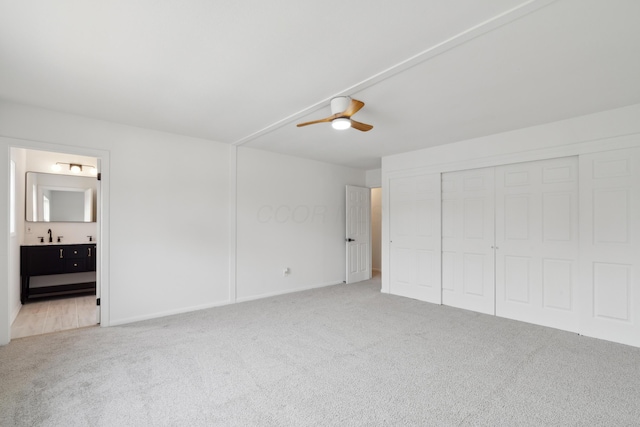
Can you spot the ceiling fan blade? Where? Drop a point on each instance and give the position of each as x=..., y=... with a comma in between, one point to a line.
x=361, y=126
x=327, y=119
x=353, y=108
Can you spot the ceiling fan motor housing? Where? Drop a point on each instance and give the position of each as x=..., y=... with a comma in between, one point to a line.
x=342, y=108
x=340, y=104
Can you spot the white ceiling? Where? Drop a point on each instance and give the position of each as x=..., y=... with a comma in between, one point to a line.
x=244, y=72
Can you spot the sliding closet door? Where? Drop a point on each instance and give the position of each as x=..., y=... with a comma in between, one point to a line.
x=414, y=234
x=610, y=234
x=468, y=240
x=537, y=242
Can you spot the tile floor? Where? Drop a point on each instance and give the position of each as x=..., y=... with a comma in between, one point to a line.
x=54, y=315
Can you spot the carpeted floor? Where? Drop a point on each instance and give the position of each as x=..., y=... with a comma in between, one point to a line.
x=342, y=355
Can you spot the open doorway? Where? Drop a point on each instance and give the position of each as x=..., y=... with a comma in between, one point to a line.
x=376, y=232
x=67, y=298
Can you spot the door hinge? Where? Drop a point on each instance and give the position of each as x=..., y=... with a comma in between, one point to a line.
x=98, y=301
x=99, y=176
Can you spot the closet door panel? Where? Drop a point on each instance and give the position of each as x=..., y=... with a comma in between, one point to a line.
x=467, y=240
x=414, y=247
x=517, y=276
x=557, y=278
x=610, y=245
x=537, y=242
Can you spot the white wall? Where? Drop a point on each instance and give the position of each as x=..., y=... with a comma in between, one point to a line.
x=291, y=214
x=376, y=228
x=170, y=215
x=71, y=232
x=511, y=146
x=374, y=178
x=167, y=210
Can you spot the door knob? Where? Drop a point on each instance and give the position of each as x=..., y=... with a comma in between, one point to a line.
x=351, y=240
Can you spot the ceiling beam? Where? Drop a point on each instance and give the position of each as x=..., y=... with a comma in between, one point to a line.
x=497, y=21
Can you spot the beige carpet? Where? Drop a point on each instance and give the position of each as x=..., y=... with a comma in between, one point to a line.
x=341, y=355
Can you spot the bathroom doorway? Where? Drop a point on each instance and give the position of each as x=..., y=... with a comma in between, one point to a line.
x=61, y=301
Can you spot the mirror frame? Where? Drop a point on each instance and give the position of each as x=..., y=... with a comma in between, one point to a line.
x=86, y=184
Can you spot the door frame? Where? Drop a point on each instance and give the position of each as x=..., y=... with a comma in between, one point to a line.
x=102, y=222
x=380, y=232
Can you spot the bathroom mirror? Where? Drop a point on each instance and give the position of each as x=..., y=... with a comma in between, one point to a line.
x=60, y=198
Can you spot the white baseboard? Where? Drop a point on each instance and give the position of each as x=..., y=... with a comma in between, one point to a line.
x=157, y=315
x=288, y=291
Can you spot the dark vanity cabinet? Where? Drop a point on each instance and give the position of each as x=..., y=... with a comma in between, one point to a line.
x=56, y=259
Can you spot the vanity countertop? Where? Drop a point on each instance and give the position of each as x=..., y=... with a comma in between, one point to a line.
x=60, y=244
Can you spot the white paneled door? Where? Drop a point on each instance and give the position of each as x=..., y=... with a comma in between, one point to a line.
x=468, y=240
x=414, y=237
x=610, y=234
x=537, y=242
x=358, y=238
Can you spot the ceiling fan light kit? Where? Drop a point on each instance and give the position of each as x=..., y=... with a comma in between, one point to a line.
x=342, y=108
x=341, y=124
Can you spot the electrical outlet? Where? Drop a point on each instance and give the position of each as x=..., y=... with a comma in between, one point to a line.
x=286, y=271
x=29, y=230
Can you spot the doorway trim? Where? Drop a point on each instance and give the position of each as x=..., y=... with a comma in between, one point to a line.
x=102, y=270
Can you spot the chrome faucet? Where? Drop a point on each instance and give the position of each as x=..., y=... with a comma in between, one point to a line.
x=50, y=236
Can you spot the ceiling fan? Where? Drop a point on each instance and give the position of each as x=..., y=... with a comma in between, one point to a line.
x=342, y=108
